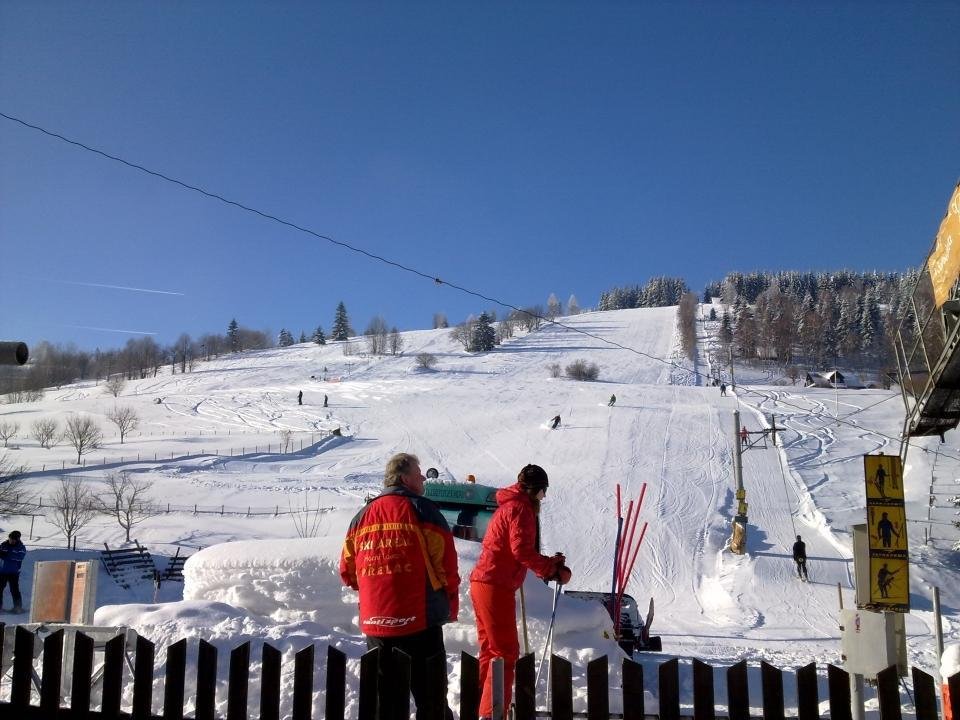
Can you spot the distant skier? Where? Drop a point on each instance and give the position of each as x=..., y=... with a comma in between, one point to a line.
x=325, y=400
x=800, y=558
x=556, y=422
x=744, y=436
x=300, y=398
x=723, y=389
x=613, y=401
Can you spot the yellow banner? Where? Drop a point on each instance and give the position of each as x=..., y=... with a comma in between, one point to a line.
x=944, y=261
x=884, y=477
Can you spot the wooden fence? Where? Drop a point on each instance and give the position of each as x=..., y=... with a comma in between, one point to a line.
x=24, y=679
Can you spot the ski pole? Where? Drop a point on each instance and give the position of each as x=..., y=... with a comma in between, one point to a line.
x=616, y=545
x=523, y=615
x=548, y=643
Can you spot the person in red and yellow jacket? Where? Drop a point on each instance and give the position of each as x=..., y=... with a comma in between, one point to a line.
x=511, y=546
x=399, y=554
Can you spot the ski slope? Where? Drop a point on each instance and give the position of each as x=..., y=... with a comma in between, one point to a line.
x=487, y=415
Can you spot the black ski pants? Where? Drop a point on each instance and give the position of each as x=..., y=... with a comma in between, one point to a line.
x=419, y=646
x=14, y=581
x=801, y=567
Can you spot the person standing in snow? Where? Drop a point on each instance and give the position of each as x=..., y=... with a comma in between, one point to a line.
x=800, y=558
x=399, y=555
x=511, y=546
x=325, y=400
x=613, y=401
x=12, y=552
x=723, y=389
x=556, y=422
x=300, y=398
x=744, y=436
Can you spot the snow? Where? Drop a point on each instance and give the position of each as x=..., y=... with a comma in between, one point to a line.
x=217, y=435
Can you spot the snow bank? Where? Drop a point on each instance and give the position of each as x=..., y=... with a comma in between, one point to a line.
x=285, y=580
x=950, y=661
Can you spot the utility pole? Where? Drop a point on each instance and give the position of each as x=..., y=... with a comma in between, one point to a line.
x=741, y=517
x=733, y=383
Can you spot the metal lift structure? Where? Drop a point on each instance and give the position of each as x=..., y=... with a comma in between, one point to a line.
x=928, y=339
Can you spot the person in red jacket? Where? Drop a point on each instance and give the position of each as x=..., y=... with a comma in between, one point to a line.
x=511, y=545
x=399, y=554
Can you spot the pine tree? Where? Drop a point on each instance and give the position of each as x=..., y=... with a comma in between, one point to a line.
x=233, y=335
x=341, y=325
x=303, y=337
x=285, y=339
x=483, y=337
x=573, y=307
x=318, y=337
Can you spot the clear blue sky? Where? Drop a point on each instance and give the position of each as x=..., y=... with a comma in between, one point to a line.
x=517, y=149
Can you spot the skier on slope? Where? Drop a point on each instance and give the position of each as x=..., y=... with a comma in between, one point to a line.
x=800, y=558
x=555, y=422
x=511, y=545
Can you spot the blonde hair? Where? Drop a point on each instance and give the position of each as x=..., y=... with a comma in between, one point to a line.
x=398, y=466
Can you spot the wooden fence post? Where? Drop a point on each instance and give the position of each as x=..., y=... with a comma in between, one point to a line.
x=50, y=682
x=143, y=680
x=704, y=706
x=239, y=682
x=335, y=708
x=303, y=684
x=270, y=683
x=470, y=687
x=598, y=689
x=206, y=681
x=524, y=697
x=838, y=681
x=738, y=692
x=113, y=675
x=369, y=680
x=173, y=686
x=561, y=688
x=669, y=681
x=888, y=693
x=772, y=680
x=924, y=695
x=632, y=674
x=82, y=671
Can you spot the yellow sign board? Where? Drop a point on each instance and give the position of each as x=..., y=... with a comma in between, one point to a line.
x=890, y=583
x=944, y=261
x=884, y=478
x=887, y=531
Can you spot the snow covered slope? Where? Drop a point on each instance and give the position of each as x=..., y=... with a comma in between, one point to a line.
x=217, y=433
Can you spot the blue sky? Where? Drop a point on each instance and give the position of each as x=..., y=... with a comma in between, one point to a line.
x=516, y=149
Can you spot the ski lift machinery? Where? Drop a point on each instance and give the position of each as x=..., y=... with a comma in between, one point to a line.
x=468, y=507
x=928, y=340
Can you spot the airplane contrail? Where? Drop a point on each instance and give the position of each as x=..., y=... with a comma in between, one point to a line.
x=118, y=287
x=114, y=330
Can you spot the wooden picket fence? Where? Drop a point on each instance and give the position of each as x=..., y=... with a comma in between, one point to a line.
x=24, y=674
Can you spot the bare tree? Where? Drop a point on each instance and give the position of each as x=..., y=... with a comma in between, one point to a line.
x=73, y=507
x=45, y=432
x=440, y=321
x=376, y=334
x=12, y=494
x=8, y=430
x=83, y=433
x=573, y=307
x=396, y=342
x=426, y=360
x=582, y=370
x=115, y=385
x=126, y=420
x=127, y=500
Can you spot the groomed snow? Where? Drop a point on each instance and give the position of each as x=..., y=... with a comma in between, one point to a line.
x=217, y=433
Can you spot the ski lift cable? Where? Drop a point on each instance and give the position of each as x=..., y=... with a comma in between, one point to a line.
x=400, y=266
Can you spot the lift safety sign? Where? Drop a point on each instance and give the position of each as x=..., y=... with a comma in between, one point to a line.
x=887, y=531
